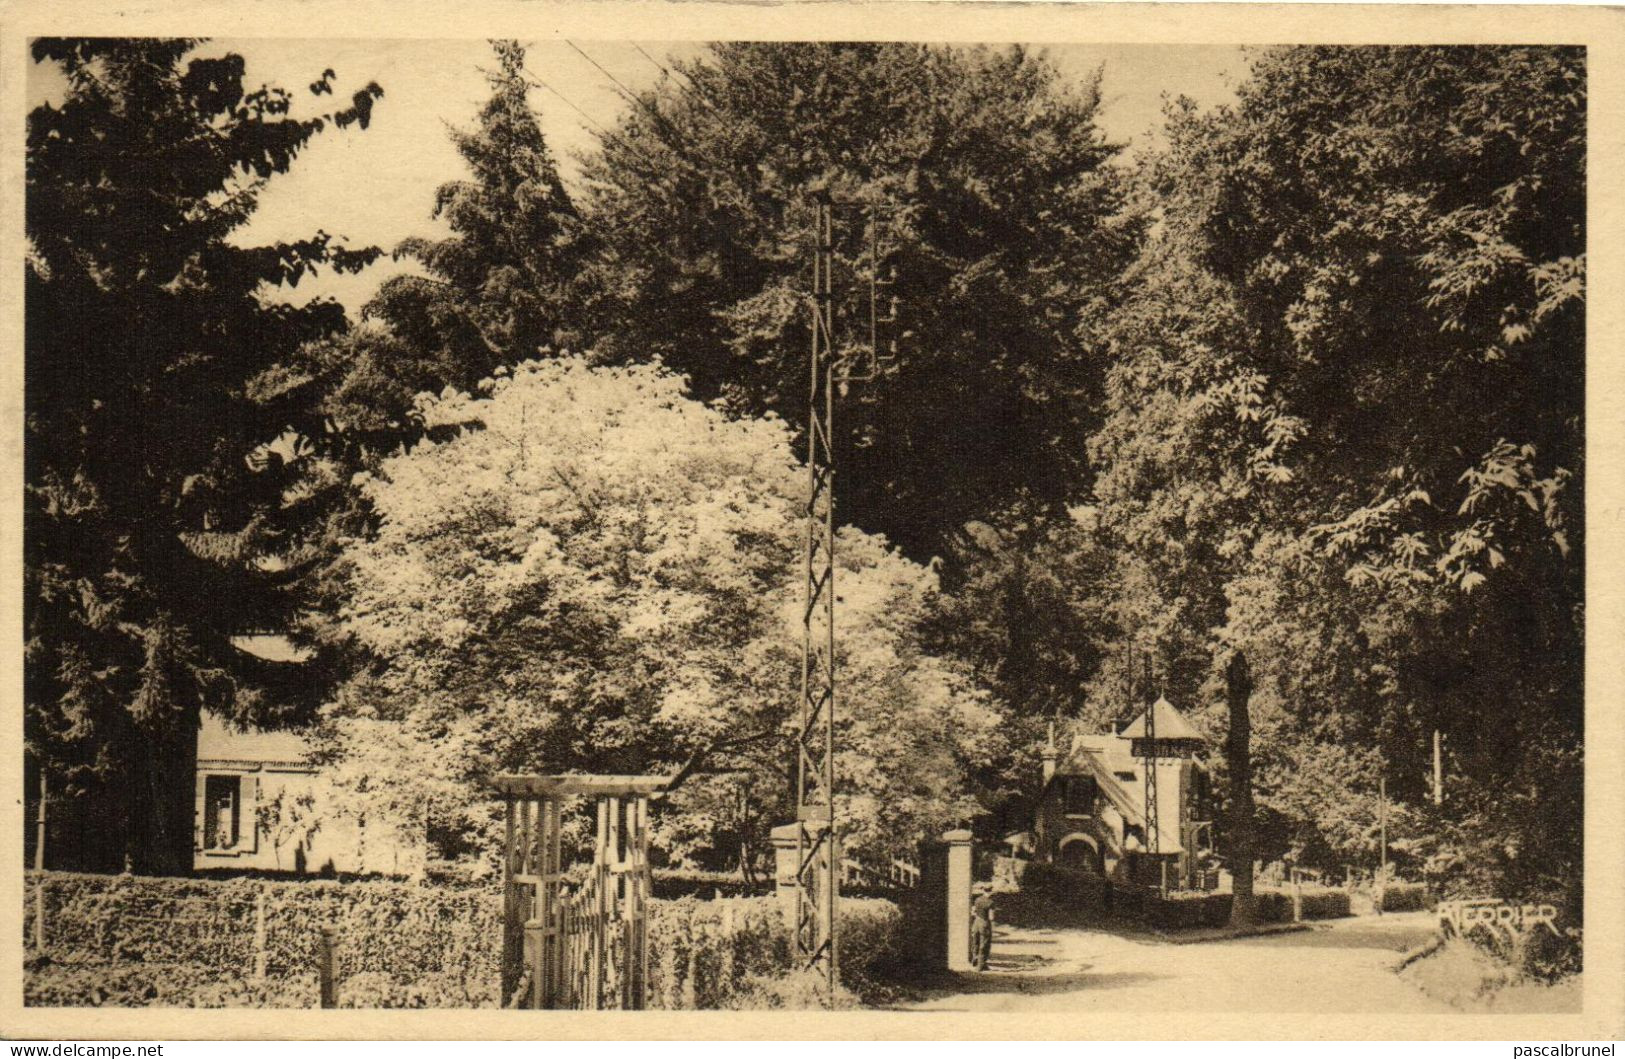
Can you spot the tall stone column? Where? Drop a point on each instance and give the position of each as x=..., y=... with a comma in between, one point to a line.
x=959, y=873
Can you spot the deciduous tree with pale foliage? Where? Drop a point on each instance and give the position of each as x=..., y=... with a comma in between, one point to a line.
x=604, y=576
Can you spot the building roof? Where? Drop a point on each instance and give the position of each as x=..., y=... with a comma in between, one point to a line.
x=1097, y=765
x=1169, y=724
x=1111, y=749
x=271, y=647
x=219, y=740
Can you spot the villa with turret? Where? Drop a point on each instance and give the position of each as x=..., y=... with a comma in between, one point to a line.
x=1127, y=805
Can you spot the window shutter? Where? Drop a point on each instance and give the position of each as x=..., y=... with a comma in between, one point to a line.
x=200, y=808
x=253, y=816
x=236, y=794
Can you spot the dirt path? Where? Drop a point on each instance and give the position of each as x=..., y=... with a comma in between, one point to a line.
x=1341, y=966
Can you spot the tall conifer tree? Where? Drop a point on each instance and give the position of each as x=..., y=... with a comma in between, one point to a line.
x=155, y=517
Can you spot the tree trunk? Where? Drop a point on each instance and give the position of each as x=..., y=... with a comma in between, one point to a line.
x=1238, y=755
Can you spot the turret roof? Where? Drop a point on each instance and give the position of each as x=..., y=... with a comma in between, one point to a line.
x=1170, y=724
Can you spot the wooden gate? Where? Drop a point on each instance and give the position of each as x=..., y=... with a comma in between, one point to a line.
x=576, y=938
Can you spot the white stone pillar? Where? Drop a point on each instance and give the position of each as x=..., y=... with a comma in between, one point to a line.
x=785, y=882
x=959, y=872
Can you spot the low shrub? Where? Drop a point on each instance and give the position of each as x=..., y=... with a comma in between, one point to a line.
x=673, y=883
x=1048, y=895
x=735, y=952
x=1537, y=955
x=1405, y=897
x=1467, y=977
x=701, y=952
x=870, y=932
x=48, y=983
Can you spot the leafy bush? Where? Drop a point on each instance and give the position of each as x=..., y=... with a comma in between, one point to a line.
x=1538, y=954
x=701, y=951
x=735, y=952
x=870, y=930
x=1469, y=977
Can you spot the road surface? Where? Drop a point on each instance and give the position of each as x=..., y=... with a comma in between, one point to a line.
x=1341, y=966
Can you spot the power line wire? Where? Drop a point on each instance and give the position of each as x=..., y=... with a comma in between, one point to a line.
x=627, y=91
x=673, y=140
x=654, y=167
x=636, y=100
x=694, y=87
x=657, y=62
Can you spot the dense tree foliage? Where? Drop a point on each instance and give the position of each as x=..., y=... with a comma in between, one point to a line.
x=1007, y=242
x=1303, y=386
x=499, y=289
x=156, y=521
x=1027, y=606
x=604, y=578
x=1345, y=433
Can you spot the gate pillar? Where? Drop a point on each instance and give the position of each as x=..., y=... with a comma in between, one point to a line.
x=785, y=869
x=958, y=903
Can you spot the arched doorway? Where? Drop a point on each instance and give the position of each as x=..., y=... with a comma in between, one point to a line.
x=1080, y=852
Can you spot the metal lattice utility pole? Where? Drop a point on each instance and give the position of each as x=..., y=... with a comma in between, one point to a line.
x=817, y=877
x=830, y=369
x=1153, y=821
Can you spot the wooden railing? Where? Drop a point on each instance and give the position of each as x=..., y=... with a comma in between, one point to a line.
x=896, y=874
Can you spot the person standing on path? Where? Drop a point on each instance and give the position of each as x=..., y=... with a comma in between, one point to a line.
x=981, y=927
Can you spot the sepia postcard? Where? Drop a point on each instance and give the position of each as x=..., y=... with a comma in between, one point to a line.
x=886, y=520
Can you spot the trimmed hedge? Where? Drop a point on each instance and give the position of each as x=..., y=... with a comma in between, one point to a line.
x=146, y=941
x=674, y=883
x=1406, y=897
x=1324, y=903
x=1182, y=911
x=1188, y=910
x=210, y=928
x=1049, y=895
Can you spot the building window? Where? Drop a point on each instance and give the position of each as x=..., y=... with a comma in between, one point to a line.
x=222, y=812
x=1078, y=794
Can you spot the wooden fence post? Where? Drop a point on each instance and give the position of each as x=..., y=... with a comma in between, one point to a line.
x=324, y=969
x=726, y=977
x=259, y=935
x=39, y=913
x=39, y=864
